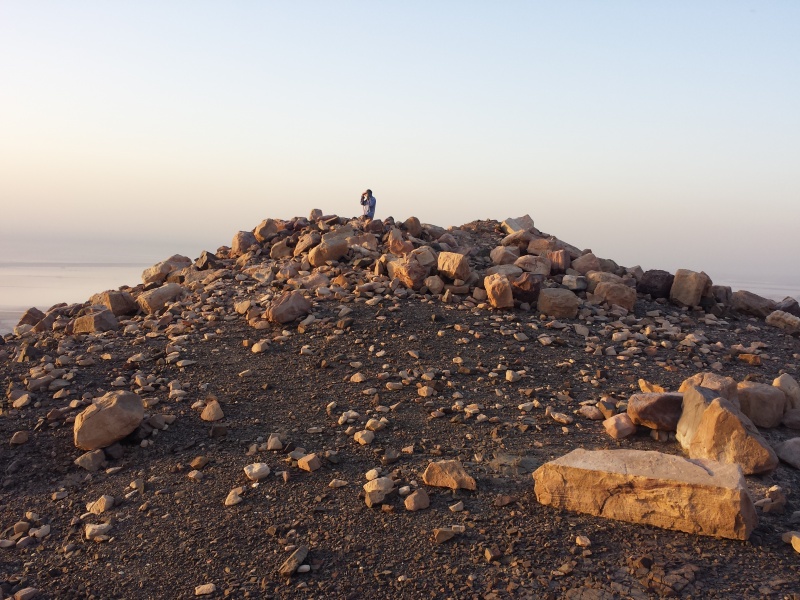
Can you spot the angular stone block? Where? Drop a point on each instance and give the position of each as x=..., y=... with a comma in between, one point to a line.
x=699, y=497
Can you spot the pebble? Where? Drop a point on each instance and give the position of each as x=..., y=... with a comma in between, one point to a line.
x=257, y=471
x=205, y=590
x=212, y=411
x=233, y=497
x=364, y=437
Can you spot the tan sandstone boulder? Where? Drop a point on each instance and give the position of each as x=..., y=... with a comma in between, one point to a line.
x=160, y=271
x=538, y=265
x=558, y=303
x=266, y=229
x=449, y=474
x=242, y=241
x=711, y=427
x=453, y=265
x=118, y=302
x=688, y=287
x=724, y=386
x=789, y=386
x=154, y=300
x=698, y=497
x=95, y=322
x=498, y=290
x=288, y=307
x=330, y=248
x=108, y=420
x=587, y=262
x=783, y=320
x=764, y=404
x=616, y=293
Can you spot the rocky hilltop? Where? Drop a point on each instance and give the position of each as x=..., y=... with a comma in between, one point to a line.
x=340, y=408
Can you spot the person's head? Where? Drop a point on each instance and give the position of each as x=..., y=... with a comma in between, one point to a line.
x=368, y=193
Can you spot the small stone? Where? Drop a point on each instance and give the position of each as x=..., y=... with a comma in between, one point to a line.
x=257, y=471
x=417, y=501
x=443, y=534
x=212, y=411
x=294, y=561
x=97, y=532
x=310, y=463
x=457, y=507
x=19, y=438
x=619, y=426
x=91, y=461
x=233, y=497
x=100, y=505
x=582, y=541
x=364, y=437
x=205, y=590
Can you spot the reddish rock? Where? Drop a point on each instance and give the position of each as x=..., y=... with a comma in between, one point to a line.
x=660, y=411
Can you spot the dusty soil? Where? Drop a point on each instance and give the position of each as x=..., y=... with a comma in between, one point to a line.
x=175, y=533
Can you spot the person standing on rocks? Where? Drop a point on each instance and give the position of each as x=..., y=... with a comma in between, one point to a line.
x=368, y=202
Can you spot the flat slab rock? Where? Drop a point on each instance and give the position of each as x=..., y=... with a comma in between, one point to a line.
x=696, y=496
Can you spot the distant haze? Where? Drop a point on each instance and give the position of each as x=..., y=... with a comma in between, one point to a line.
x=660, y=134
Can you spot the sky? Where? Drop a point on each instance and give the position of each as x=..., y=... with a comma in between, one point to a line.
x=663, y=134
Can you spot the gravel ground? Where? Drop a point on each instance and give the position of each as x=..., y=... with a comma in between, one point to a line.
x=170, y=533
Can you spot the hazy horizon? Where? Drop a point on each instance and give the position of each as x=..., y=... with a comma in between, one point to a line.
x=661, y=134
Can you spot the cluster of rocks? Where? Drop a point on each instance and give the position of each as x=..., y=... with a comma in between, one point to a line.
x=278, y=278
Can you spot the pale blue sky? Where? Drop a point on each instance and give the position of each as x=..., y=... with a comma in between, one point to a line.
x=665, y=134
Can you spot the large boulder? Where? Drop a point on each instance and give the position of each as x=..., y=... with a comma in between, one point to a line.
x=789, y=305
x=411, y=272
x=724, y=386
x=280, y=249
x=656, y=410
x=154, y=300
x=306, y=242
x=504, y=255
x=524, y=223
x=784, y=320
x=593, y=278
x=587, y=262
x=108, y=420
x=453, y=265
x=120, y=303
x=711, y=427
x=330, y=248
x=558, y=303
x=789, y=386
x=526, y=287
x=616, y=293
x=752, y=304
x=242, y=241
x=510, y=271
x=764, y=404
x=538, y=265
x=789, y=452
x=688, y=287
x=655, y=282
x=288, y=307
x=498, y=290
x=397, y=244
x=698, y=497
x=159, y=272
x=265, y=230
x=413, y=226
x=96, y=322
x=559, y=260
